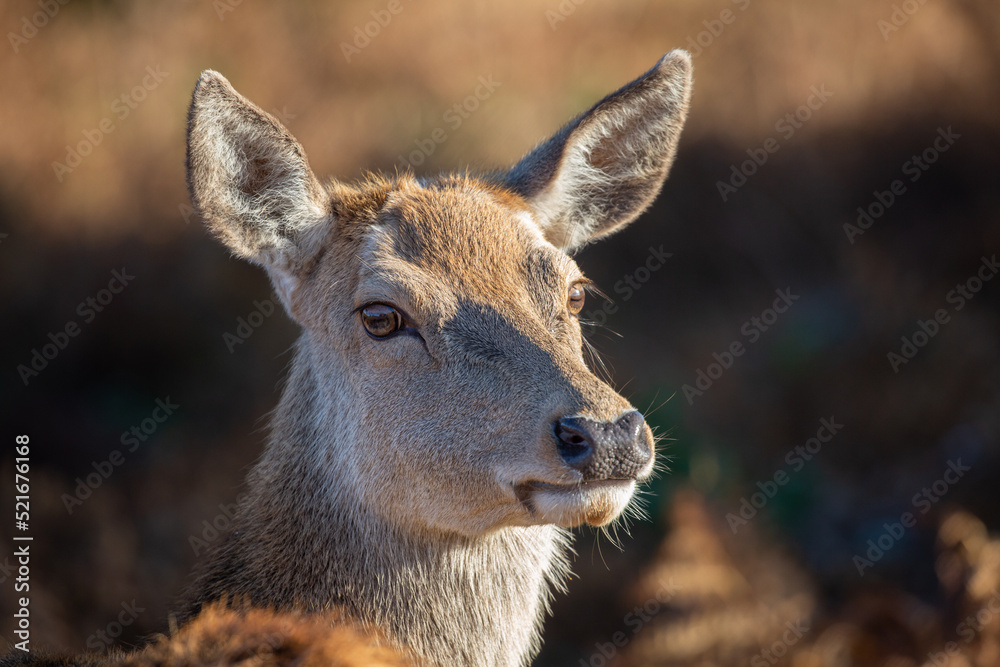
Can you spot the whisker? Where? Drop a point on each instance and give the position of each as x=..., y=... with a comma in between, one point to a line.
x=594, y=357
x=651, y=411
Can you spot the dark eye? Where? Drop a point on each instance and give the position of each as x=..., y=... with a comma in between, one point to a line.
x=576, y=298
x=381, y=320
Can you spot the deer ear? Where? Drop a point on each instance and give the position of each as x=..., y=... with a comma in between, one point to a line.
x=250, y=181
x=600, y=171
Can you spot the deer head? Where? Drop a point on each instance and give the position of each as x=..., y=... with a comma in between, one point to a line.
x=440, y=316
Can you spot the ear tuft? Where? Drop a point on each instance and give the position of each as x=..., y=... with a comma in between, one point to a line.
x=601, y=170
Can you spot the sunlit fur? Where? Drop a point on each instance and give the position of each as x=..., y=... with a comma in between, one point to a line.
x=414, y=482
x=244, y=637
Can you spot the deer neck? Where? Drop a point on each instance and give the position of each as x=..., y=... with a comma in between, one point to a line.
x=454, y=600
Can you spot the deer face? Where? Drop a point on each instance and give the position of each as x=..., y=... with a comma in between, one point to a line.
x=476, y=407
x=441, y=317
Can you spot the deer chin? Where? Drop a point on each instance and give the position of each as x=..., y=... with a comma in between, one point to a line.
x=596, y=503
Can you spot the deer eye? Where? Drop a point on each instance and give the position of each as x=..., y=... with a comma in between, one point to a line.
x=575, y=299
x=381, y=320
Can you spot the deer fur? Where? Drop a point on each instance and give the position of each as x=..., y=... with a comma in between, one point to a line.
x=243, y=637
x=420, y=483
x=414, y=481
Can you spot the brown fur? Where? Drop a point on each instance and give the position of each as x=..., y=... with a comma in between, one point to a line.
x=416, y=481
x=421, y=482
x=245, y=637
x=263, y=638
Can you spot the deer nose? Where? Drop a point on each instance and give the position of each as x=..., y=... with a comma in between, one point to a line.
x=605, y=450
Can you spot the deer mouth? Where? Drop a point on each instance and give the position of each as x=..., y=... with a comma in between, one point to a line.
x=596, y=502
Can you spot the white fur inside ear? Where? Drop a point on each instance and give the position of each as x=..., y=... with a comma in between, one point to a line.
x=249, y=177
x=570, y=209
x=603, y=169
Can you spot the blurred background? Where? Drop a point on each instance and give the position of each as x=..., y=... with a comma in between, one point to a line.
x=833, y=215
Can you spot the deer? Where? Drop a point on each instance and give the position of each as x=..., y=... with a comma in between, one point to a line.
x=440, y=431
